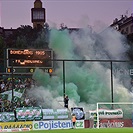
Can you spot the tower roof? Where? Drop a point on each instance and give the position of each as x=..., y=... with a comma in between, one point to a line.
x=37, y=0
x=38, y=4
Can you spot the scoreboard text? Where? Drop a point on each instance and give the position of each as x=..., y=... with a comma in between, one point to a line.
x=27, y=58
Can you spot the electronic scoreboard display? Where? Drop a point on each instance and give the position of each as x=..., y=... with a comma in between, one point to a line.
x=29, y=58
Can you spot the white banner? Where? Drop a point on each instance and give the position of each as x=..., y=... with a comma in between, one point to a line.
x=104, y=113
x=55, y=114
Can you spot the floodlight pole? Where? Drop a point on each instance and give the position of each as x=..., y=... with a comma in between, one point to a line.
x=12, y=87
x=64, y=91
x=112, y=93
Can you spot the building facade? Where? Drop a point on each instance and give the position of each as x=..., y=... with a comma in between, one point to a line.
x=124, y=25
x=38, y=18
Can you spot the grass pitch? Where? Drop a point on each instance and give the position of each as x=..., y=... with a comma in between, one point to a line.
x=87, y=130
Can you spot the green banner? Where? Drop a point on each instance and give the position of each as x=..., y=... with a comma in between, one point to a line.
x=4, y=96
x=28, y=113
x=7, y=116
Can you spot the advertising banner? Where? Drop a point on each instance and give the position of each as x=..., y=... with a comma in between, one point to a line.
x=29, y=113
x=56, y=124
x=7, y=116
x=115, y=123
x=104, y=113
x=54, y=114
x=79, y=112
x=80, y=124
x=16, y=125
x=14, y=130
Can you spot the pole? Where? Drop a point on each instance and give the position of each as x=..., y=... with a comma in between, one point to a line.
x=12, y=87
x=64, y=89
x=112, y=93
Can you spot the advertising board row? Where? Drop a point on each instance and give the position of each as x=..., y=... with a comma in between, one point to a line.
x=41, y=125
x=64, y=124
x=34, y=113
x=37, y=113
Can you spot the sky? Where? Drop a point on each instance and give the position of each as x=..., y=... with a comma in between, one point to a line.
x=73, y=13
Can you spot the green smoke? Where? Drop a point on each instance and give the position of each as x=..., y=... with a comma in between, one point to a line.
x=86, y=82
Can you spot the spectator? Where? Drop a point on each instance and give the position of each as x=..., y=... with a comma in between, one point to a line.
x=0, y=104
x=2, y=86
x=66, y=101
x=73, y=121
x=27, y=101
x=18, y=83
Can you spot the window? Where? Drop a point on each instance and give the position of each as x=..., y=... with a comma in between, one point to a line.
x=38, y=15
x=131, y=29
x=127, y=30
x=122, y=31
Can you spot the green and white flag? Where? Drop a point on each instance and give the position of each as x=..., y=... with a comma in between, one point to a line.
x=17, y=93
x=7, y=116
x=7, y=95
x=4, y=96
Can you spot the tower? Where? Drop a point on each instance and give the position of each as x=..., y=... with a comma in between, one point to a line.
x=38, y=14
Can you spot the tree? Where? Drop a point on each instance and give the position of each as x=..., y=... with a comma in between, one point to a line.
x=42, y=39
x=2, y=46
x=2, y=50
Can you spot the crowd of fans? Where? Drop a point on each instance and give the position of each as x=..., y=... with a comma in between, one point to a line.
x=9, y=85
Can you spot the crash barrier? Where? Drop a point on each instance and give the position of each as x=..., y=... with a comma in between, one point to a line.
x=37, y=113
x=41, y=125
x=62, y=124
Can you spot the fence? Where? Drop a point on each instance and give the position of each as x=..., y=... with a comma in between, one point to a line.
x=84, y=81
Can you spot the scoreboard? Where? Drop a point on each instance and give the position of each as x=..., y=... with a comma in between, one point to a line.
x=26, y=60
